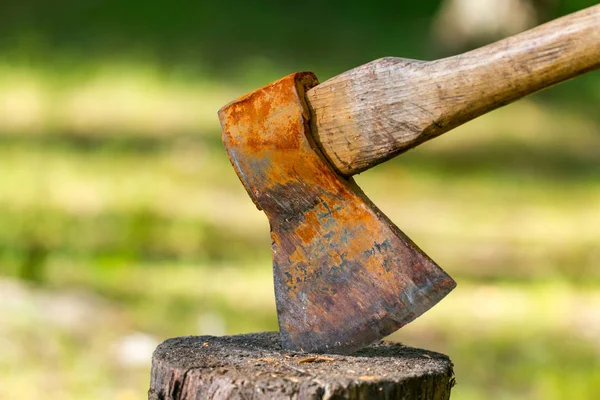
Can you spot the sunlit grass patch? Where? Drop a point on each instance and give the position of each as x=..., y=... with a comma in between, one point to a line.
x=538, y=340
x=183, y=200
x=110, y=99
x=516, y=341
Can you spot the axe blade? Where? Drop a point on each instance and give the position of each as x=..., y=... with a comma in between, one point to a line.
x=345, y=275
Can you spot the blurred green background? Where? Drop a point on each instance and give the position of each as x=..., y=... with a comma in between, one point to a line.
x=123, y=223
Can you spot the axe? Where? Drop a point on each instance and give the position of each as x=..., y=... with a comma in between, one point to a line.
x=344, y=274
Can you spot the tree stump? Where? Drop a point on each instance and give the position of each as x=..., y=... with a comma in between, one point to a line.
x=254, y=366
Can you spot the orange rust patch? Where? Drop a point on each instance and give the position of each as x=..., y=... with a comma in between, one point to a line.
x=308, y=230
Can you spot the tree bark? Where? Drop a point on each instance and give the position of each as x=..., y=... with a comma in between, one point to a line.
x=254, y=366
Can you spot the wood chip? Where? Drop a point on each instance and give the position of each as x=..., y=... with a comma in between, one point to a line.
x=368, y=378
x=331, y=359
x=205, y=344
x=306, y=360
x=316, y=359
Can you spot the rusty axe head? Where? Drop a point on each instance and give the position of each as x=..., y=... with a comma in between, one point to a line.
x=345, y=275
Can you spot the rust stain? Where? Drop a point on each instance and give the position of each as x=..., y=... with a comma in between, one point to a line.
x=345, y=276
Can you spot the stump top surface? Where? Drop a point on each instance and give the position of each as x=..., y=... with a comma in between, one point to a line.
x=260, y=354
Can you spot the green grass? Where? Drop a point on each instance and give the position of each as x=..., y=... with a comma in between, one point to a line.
x=529, y=340
x=119, y=221
x=147, y=198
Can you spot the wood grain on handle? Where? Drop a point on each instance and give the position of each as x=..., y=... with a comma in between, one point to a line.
x=376, y=111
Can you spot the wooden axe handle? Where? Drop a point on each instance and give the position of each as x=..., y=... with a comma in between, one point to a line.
x=376, y=111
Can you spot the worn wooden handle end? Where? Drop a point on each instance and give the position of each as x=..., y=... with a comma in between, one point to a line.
x=374, y=112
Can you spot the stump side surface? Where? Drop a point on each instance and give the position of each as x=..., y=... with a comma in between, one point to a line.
x=254, y=366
